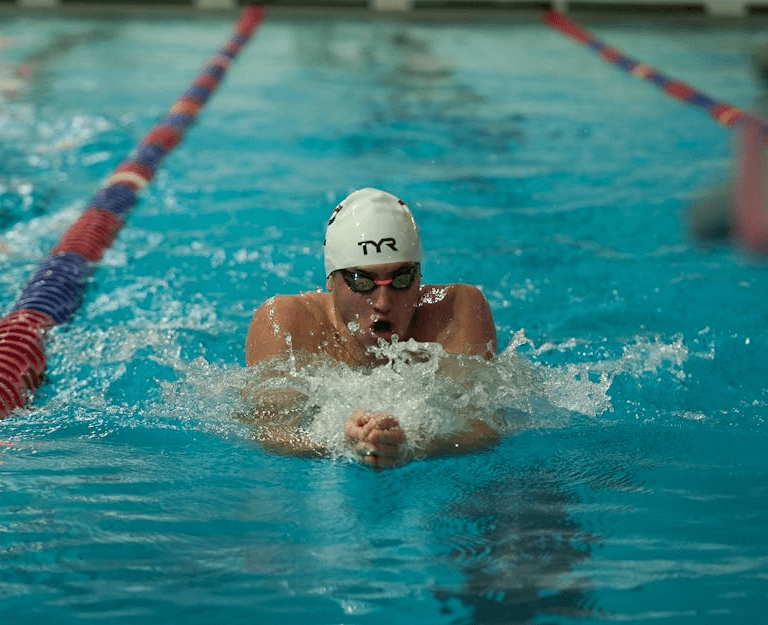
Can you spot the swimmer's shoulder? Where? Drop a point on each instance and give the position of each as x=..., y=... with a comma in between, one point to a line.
x=292, y=312
x=457, y=316
x=443, y=297
x=285, y=322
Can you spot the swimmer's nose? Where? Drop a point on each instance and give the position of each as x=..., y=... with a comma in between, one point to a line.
x=381, y=299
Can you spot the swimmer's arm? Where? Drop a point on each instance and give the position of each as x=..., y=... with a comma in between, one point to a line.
x=473, y=333
x=279, y=416
x=289, y=443
x=479, y=436
x=279, y=413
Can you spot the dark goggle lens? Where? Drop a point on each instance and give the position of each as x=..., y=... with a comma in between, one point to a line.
x=360, y=283
x=403, y=280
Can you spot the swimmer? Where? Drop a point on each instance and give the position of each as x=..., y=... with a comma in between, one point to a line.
x=373, y=294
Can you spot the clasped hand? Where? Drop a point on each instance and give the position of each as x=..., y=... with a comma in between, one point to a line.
x=376, y=437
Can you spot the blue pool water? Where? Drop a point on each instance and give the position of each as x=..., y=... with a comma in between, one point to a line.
x=635, y=490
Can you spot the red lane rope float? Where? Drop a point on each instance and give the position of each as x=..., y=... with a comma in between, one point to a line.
x=55, y=291
x=722, y=112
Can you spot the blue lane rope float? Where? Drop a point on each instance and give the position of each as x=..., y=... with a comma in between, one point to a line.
x=53, y=294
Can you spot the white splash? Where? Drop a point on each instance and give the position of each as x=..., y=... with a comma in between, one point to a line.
x=431, y=393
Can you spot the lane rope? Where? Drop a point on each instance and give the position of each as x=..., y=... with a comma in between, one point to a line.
x=722, y=112
x=55, y=291
x=750, y=201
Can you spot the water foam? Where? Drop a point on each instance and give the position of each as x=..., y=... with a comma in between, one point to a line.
x=432, y=394
x=583, y=383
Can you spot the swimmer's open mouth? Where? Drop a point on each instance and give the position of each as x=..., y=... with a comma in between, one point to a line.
x=381, y=326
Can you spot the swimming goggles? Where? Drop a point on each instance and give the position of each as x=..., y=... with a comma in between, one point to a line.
x=361, y=282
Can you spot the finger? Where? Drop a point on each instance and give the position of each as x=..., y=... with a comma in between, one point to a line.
x=361, y=417
x=370, y=459
x=385, y=421
x=387, y=451
x=353, y=432
x=395, y=436
x=364, y=449
x=369, y=454
x=377, y=421
x=382, y=462
x=369, y=426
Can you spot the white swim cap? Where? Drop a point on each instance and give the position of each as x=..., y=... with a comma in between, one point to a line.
x=370, y=227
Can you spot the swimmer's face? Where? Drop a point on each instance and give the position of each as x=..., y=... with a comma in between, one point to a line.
x=384, y=311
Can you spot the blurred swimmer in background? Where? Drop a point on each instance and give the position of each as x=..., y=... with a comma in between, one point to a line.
x=737, y=210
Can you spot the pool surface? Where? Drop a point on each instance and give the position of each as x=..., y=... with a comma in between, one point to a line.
x=635, y=486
